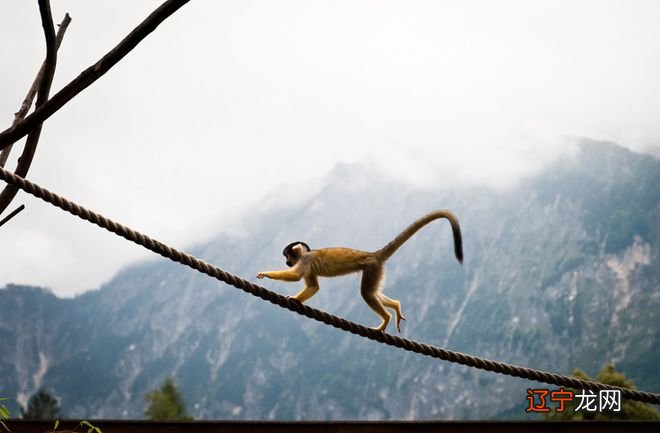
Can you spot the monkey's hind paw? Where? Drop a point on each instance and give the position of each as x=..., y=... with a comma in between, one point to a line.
x=380, y=327
x=398, y=323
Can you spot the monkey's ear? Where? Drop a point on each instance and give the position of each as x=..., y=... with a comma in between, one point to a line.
x=295, y=248
x=299, y=248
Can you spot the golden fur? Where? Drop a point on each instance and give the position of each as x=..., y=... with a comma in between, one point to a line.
x=332, y=262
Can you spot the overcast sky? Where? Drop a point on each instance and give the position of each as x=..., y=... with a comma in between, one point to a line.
x=229, y=99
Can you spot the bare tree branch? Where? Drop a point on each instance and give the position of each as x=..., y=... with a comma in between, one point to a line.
x=51, y=51
x=29, y=98
x=91, y=74
x=24, y=162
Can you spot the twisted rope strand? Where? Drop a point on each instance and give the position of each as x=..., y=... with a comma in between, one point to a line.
x=305, y=310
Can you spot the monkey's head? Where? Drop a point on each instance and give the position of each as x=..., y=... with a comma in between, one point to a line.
x=294, y=251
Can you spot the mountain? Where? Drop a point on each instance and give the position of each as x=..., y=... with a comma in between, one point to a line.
x=561, y=271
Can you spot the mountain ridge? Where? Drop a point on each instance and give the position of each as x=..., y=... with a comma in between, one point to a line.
x=570, y=255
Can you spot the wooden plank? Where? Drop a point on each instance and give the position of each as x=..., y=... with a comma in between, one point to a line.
x=117, y=426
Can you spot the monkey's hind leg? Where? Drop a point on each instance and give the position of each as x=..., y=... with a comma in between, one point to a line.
x=369, y=289
x=396, y=306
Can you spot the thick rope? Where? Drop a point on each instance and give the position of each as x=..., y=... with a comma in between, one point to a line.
x=305, y=310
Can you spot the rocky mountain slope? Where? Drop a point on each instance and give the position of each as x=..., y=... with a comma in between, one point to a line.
x=562, y=271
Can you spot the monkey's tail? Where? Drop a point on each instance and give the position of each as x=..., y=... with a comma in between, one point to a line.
x=388, y=250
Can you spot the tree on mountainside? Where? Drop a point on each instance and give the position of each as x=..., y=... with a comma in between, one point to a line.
x=41, y=405
x=166, y=403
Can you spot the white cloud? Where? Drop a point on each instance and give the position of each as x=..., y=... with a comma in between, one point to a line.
x=227, y=100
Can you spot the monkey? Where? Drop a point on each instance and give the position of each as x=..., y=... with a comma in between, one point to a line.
x=308, y=264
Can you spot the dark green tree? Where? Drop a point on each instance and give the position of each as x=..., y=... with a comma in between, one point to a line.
x=41, y=405
x=166, y=403
x=630, y=409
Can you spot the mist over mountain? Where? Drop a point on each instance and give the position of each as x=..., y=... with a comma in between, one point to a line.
x=561, y=271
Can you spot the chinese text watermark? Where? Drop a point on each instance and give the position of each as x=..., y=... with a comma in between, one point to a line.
x=606, y=400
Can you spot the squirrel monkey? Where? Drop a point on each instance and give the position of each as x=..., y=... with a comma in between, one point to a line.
x=309, y=264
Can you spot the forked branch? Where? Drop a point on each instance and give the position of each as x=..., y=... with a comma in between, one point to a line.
x=44, y=80
x=91, y=74
x=29, y=98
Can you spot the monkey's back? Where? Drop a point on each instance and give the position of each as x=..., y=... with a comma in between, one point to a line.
x=335, y=261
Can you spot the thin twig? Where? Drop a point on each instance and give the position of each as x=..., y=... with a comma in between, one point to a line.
x=91, y=74
x=45, y=81
x=12, y=214
x=27, y=102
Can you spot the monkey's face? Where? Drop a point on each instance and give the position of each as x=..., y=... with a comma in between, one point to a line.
x=294, y=251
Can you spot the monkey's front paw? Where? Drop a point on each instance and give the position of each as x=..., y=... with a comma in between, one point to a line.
x=261, y=275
